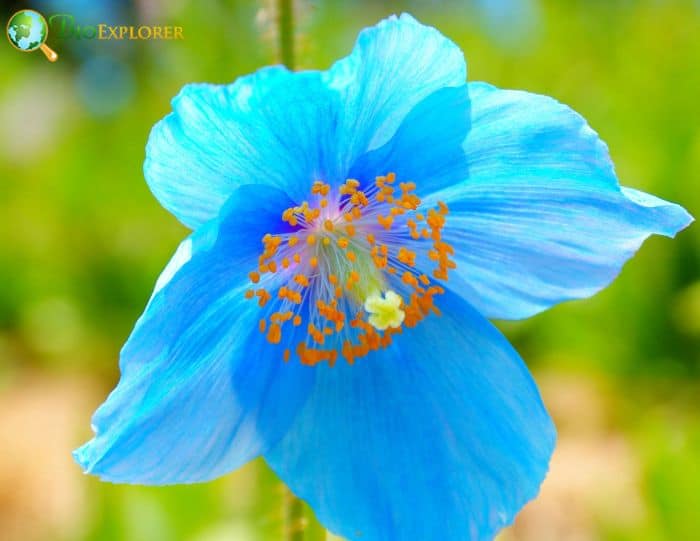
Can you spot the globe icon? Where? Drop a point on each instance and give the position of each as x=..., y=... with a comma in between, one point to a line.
x=27, y=31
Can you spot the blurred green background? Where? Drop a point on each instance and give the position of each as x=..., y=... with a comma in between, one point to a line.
x=82, y=241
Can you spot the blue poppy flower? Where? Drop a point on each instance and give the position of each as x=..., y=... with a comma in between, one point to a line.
x=353, y=230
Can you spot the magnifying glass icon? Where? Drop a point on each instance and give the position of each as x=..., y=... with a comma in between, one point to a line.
x=27, y=31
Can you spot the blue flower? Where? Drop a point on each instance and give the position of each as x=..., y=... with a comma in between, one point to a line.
x=353, y=230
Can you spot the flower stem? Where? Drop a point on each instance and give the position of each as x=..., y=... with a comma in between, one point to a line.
x=295, y=522
x=285, y=22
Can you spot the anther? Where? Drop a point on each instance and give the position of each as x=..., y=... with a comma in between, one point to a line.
x=359, y=277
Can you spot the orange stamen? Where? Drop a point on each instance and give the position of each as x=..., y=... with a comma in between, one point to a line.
x=281, y=251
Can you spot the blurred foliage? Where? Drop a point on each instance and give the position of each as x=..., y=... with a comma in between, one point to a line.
x=83, y=239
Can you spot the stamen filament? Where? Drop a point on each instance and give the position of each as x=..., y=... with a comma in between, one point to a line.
x=349, y=269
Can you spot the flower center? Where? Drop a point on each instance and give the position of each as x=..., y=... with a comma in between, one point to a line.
x=357, y=267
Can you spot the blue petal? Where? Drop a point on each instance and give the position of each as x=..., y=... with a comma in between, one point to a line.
x=274, y=127
x=201, y=391
x=441, y=437
x=288, y=129
x=394, y=66
x=427, y=147
x=541, y=218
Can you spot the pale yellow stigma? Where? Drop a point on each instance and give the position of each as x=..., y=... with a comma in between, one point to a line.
x=384, y=311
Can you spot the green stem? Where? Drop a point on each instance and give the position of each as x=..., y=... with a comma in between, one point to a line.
x=295, y=522
x=293, y=506
x=285, y=22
